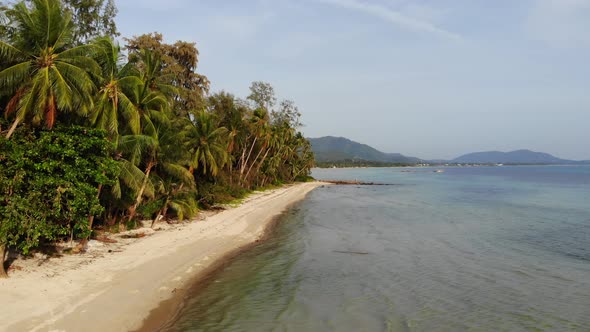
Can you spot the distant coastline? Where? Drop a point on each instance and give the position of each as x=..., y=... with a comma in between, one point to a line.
x=340, y=152
x=372, y=164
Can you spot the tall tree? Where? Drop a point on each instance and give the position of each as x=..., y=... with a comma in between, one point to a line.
x=287, y=113
x=92, y=18
x=230, y=113
x=117, y=82
x=262, y=94
x=179, y=62
x=207, y=144
x=47, y=76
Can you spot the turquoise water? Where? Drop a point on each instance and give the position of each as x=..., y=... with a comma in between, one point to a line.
x=470, y=249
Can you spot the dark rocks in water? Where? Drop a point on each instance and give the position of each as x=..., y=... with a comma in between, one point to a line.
x=351, y=252
x=357, y=183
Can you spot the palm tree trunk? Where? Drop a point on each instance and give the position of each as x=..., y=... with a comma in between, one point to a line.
x=13, y=128
x=162, y=211
x=259, y=164
x=245, y=163
x=263, y=181
x=3, y=273
x=157, y=217
x=262, y=161
x=243, y=157
x=133, y=209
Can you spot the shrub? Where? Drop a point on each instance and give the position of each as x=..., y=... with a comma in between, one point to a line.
x=49, y=184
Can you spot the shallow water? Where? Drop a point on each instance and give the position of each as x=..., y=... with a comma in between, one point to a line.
x=470, y=249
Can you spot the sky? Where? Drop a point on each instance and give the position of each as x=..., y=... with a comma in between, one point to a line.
x=433, y=79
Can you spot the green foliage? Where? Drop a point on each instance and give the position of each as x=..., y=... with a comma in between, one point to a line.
x=211, y=193
x=45, y=75
x=149, y=209
x=207, y=144
x=262, y=94
x=49, y=184
x=159, y=146
x=179, y=64
x=92, y=18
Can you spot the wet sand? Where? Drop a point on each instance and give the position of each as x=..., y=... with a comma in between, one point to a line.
x=144, y=283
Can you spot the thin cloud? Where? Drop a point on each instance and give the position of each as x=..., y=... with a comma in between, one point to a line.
x=561, y=23
x=394, y=17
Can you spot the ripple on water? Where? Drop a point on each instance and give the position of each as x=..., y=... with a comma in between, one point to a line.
x=462, y=251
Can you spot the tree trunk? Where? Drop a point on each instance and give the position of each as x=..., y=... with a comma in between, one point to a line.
x=254, y=161
x=157, y=217
x=133, y=209
x=3, y=273
x=245, y=163
x=162, y=211
x=263, y=181
x=91, y=218
x=231, y=175
x=13, y=128
x=262, y=161
x=243, y=157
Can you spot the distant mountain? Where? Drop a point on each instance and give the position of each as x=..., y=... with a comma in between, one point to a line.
x=514, y=157
x=329, y=148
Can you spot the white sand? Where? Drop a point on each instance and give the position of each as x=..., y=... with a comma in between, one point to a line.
x=116, y=291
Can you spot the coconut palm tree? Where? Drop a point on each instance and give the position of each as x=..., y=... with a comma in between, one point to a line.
x=230, y=114
x=46, y=76
x=152, y=101
x=113, y=103
x=174, y=181
x=207, y=143
x=258, y=126
x=163, y=157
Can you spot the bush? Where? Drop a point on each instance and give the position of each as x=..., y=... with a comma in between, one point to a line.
x=213, y=193
x=49, y=184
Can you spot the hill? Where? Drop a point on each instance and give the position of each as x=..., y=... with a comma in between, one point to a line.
x=513, y=157
x=331, y=149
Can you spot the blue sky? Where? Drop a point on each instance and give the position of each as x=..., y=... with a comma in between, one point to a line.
x=426, y=78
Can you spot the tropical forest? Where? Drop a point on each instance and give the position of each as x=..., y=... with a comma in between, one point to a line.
x=99, y=131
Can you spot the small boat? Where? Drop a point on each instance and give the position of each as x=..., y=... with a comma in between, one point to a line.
x=439, y=171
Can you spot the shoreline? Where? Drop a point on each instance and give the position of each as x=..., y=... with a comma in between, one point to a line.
x=168, y=311
x=145, y=281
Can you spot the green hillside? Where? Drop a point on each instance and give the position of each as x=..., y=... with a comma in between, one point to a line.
x=333, y=149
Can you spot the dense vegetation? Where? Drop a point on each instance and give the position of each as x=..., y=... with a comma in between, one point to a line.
x=96, y=136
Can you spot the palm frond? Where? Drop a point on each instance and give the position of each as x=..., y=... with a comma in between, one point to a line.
x=130, y=175
x=13, y=77
x=179, y=172
x=10, y=53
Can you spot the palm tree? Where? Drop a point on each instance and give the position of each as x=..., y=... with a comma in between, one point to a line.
x=153, y=97
x=152, y=73
x=152, y=101
x=207, y=143
x=46, y=75
x=258, y=129
x=113, y=103
x=163, y=157
x=230, y=114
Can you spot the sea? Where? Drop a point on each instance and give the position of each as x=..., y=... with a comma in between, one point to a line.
x=435, y=249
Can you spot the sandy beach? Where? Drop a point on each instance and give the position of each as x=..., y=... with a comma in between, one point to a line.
x=116, y=289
